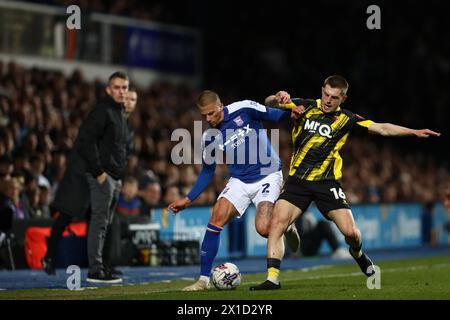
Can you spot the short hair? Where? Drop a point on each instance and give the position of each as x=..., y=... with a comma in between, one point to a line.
x=117, y=74
x=132, y=89
x=130, y=180
x=336, y=81
x=206, y=97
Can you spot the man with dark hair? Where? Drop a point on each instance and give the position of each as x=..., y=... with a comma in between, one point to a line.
x=114, y=76
x=112, y=237
x=336, y=81
x=316, y=170
x=92, y=178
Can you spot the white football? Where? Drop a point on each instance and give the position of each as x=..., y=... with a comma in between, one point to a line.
x=226, y=276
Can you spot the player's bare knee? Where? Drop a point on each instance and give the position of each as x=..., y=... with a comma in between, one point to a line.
x=278, y=224
x=353, y=234
x=222, y=213
x=218, y=219
x=262, y=228
x=263, y=217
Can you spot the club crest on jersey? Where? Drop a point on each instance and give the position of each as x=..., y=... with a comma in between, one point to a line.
x=316, y=127
x=238, y=120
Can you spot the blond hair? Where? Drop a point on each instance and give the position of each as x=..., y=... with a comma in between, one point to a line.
x=207, y=97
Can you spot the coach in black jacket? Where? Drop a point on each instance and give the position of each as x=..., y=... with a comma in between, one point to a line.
x=102, y=143
x=93, y=175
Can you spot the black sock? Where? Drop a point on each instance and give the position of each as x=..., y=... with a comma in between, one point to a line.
x=355, y=251
x=273, y=263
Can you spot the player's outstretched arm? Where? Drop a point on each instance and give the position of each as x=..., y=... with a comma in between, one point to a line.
x=203, y=180
x=389, y=129
x=282, y=100
x=281, y=97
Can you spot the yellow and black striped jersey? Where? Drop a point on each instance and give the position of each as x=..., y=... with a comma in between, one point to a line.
x=317, y=138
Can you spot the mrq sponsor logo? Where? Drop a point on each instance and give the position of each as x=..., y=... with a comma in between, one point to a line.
x=316, y=127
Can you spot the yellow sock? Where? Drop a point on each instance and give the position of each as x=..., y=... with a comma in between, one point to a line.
x=273, y=274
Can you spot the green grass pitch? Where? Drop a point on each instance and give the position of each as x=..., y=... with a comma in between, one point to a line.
x=426, y=278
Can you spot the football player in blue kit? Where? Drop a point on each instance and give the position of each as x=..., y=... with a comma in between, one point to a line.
x=237, y=136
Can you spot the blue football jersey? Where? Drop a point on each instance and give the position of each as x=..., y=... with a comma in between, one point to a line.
x=241, y=142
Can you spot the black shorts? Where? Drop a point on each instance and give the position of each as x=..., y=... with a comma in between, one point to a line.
x=327, y=194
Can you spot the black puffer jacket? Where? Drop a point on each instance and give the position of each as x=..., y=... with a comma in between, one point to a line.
x=103, y=139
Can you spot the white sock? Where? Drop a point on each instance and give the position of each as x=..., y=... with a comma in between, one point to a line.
x=204, y=279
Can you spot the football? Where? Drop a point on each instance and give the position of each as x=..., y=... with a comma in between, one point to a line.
x=226, y=276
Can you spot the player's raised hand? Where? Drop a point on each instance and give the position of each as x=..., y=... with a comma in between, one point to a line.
x=179, y=205
x=297, y=112
x=425, y=133
x=283, y=97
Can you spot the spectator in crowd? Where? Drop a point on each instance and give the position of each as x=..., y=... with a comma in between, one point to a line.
x=43, y=209
x=56, y=170
x=38, y=166
x=11, y=207
x=36, y=199
x=171, y=194
x=30, y=199
x=447, y=199
x=129, y=204
x=65, y=113
x=7, y=204
x=8, y=191
x=6, y=166
x=21, y=160
x=447, y=208
x=65, y=102
x=150, y=193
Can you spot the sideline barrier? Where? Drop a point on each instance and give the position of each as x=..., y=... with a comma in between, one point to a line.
x=382, y=226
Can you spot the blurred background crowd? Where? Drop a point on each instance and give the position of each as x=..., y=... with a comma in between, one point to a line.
x=400, y=75
x=41, y=111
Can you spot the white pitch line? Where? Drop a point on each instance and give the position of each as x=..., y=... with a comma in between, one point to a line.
x=355, y=274
x=336, y=275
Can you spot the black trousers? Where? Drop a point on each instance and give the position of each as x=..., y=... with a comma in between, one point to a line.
x=58, y=228
x=312, y=240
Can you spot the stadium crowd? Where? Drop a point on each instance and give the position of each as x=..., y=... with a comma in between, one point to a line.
x=41, y=111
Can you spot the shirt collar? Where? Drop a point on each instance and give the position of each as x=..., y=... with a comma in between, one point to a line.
x=338, y=110
x=226, y=114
